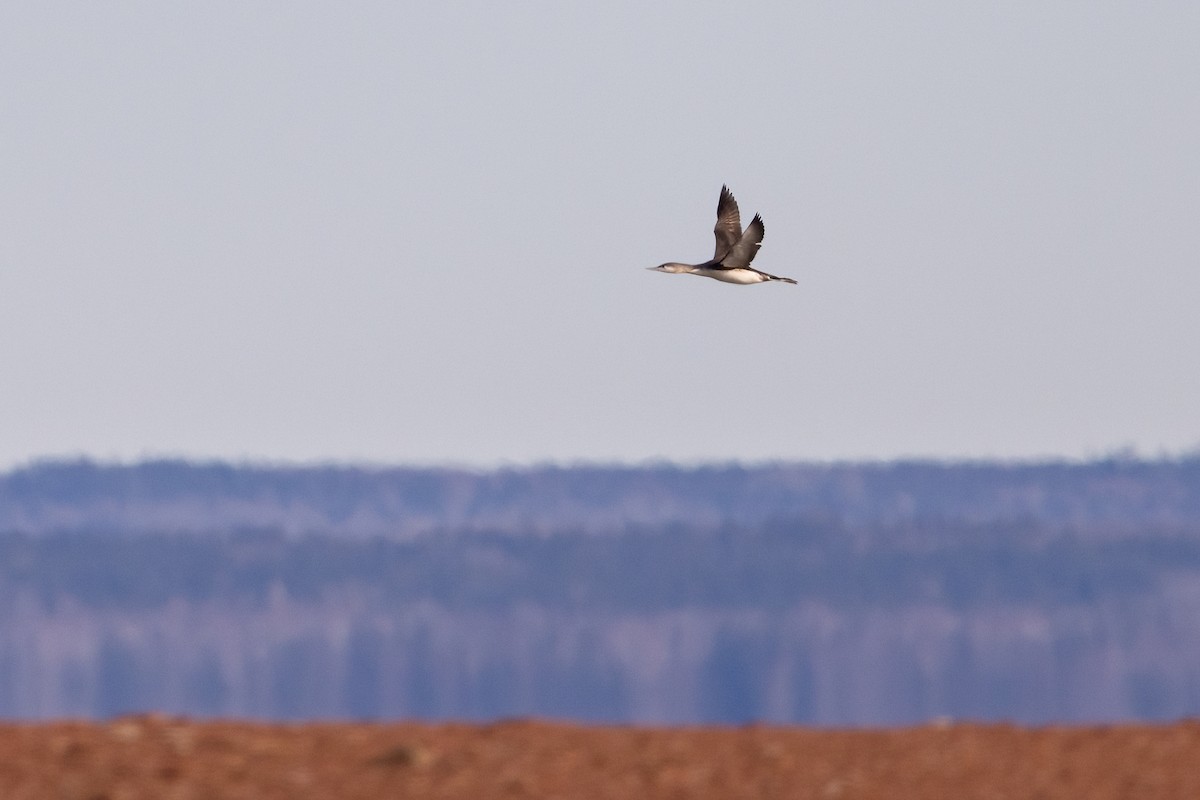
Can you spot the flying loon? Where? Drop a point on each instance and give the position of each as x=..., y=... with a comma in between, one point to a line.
x=735, y=250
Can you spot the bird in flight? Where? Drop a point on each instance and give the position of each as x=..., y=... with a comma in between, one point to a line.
x=735, y=249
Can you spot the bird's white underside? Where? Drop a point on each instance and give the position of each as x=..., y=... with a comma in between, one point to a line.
x=742, y=276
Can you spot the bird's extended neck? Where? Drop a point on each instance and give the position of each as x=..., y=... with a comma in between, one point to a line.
x=676, y=267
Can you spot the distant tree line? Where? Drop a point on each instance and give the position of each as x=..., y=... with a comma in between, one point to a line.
x=833, y=594
x=404, y=502
x=776, y=564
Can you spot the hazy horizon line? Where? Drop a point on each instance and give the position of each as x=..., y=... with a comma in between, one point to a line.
x=1128, y=454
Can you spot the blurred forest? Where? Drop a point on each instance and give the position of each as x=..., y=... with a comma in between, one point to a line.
x=830, y=594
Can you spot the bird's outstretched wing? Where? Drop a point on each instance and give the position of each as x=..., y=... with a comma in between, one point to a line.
x=742, y=253
x=729, y=224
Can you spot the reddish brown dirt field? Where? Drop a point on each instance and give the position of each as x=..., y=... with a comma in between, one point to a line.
x=158, y=757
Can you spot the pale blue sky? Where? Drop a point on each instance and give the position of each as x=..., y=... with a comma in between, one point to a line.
x=401, y=233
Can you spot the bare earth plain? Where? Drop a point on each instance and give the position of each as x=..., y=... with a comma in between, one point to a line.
x=161, y=757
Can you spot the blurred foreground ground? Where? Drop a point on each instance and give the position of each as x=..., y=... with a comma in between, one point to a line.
x=158, y=757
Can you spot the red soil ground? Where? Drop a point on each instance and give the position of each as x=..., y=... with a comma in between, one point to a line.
x=158, y=757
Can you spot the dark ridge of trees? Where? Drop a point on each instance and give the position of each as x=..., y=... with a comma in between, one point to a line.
x=770, y=566
x=401, y=502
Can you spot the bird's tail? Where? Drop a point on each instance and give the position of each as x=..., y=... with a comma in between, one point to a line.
x=777, y=278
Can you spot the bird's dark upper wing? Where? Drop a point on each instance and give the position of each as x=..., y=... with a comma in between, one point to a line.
x=729, y=224
x=742, y=253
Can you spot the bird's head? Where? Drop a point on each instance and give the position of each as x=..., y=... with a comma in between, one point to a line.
x=672, y=267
